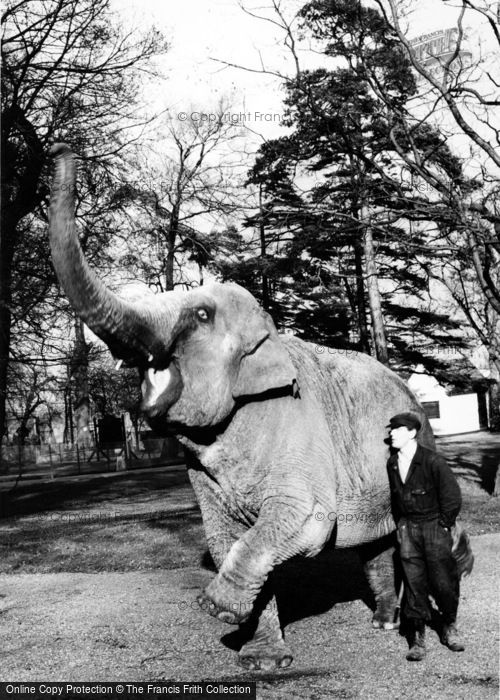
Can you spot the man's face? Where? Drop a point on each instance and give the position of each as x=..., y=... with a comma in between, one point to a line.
x=401, y=436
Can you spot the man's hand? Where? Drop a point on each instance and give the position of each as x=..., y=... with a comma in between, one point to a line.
x=445, y=525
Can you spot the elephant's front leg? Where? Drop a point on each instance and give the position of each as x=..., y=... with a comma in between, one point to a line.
x=285, y=528
x=266, y=649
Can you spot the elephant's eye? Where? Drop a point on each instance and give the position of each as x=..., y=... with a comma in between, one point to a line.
x=202, y=314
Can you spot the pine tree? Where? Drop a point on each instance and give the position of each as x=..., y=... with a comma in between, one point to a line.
x=336, y=192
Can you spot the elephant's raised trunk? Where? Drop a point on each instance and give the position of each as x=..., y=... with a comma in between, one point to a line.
x=130, y=330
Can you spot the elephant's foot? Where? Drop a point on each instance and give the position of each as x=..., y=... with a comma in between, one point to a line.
x=223, y=601
x=264, y=655
x=383, y=617
x=384, y=624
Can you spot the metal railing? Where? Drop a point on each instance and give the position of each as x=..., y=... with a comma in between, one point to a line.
x=56, y=460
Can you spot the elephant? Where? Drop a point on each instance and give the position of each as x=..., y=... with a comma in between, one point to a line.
x=286, y=441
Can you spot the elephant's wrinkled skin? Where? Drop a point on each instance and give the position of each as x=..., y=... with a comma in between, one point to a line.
x=286, y=439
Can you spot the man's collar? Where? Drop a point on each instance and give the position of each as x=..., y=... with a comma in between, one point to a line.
x=409, y=451
x=417, y=457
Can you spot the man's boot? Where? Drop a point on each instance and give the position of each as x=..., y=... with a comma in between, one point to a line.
x=451, y=638
x=417, y=649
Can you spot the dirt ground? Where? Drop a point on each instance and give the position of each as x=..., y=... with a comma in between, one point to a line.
x=127, y=613
x=146, y=626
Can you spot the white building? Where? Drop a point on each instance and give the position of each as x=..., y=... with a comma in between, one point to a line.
x=449, y=413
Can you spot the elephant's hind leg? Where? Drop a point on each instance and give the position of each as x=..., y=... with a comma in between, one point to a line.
x=378, y=565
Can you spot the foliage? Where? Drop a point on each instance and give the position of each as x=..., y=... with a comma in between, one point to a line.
x=70, y=71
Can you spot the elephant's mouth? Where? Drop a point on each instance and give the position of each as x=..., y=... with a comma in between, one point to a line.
x=160, y=389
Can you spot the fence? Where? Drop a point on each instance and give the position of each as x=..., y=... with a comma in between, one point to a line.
x=56, y=460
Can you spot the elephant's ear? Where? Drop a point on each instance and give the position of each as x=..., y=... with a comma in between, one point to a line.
x=266, y=365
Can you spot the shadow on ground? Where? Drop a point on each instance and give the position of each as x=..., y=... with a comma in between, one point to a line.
x=309, y=587
x=72, y=493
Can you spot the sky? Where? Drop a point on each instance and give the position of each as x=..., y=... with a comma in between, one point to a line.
x=203, y=32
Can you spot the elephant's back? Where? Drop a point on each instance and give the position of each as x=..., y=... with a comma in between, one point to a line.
x=358, y=395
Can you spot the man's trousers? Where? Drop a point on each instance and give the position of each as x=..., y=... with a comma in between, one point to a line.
x=429, y=567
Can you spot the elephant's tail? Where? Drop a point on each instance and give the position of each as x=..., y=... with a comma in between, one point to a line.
x=462, y=551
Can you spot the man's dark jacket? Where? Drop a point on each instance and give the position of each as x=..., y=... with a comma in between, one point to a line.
x=430, y=490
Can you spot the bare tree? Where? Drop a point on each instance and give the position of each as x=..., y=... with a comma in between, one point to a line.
x=31, y=390
x=459, y=87
x=68, y=72
x=456, y=71
x=195, y=185
x=460, y=92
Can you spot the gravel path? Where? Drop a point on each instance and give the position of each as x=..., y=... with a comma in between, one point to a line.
x=146, y=626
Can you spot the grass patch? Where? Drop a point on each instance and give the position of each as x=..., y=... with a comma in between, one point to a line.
x=123, y=545
x=129, y=522
x=480, y=514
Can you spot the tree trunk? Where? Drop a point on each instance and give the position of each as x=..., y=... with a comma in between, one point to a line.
x=169, y=269
x=265, y=280
x=379, y=337
x=80, y=375
x=364, y=335
x=5, y=321
x=6, y=255
x=68, y=436
x=263, y=251
x=173, y=230
x=27, y=413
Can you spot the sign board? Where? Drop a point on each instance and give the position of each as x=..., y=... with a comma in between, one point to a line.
x=436, y=48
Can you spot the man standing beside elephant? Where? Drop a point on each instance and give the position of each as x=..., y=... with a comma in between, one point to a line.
x=426, y=501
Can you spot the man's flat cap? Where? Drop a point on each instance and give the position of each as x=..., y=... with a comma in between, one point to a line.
x=409, y=420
